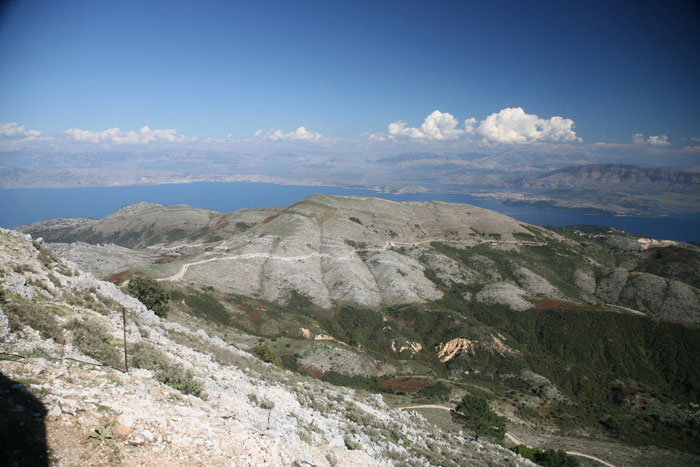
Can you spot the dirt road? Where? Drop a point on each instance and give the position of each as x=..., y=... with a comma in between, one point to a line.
x=510, y=436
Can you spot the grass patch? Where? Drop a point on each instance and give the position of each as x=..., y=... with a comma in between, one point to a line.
x=42, y=318
x=146, y=356
x=92, y=339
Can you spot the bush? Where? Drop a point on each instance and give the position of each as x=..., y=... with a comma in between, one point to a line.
x=93, y=340
x=20, y=311
x=264, y=353
x=150, y=293
x=439, y=391
x=290, y=362
x=182, y=380
x=146, y=356
x=204, y=305
x=475, y=414
x=548, y=458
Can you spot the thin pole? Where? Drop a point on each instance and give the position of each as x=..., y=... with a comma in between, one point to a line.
x=126, y=358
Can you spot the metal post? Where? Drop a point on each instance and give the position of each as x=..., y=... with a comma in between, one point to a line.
x=126, y=358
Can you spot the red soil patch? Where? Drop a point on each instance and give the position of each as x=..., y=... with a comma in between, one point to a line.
x=254, y=315
x=120, y=277
x=275, y=216
x=220, y=224
x=311, y=371
x=165, y=258
x=405, y=384
x=558, y=305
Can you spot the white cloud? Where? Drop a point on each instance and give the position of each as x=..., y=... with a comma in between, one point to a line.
x=437, y=126
x=117, y=136
x=300, y=134
x=509, y=126
x=661, y=140
x=15, y=131
x=513, y=126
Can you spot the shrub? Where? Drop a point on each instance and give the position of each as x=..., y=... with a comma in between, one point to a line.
x=355, y=220
x=475, y=414
x=203, y=304
x=20, y=311
x=150, y=293
x=263, y=353
x=148, y=357
x=143, y=355
x=182, y=380
x=93, y=340
x=439, y=391
x=290, y=362
x=548, y=458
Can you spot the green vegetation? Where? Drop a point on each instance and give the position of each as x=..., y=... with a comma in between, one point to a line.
x=204, y=305
x=92, y=339
x=146, y=356
x=548, y=458
x=475, y=414
x=263, y=353
x=45, y=256
x=299, y=301
x=368, y=383
x=290, y=362
x=175, y=234
x=439, y=391
x=20, y=312
x=355, y=220
x=524, y=236
x=150, y=293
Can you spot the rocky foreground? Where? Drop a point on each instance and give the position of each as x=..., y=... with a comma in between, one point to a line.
x=58, y=327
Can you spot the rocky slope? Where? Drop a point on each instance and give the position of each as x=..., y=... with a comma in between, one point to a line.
x=246, y=412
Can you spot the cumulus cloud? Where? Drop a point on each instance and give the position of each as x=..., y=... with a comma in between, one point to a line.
x=661, y=140
x=300, y=134
x=117, y=136
x=15, y=131
x=514, y=126
x=437, y=126
x=509, y=126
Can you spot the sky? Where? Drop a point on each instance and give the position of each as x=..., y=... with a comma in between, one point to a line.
x=443, y=75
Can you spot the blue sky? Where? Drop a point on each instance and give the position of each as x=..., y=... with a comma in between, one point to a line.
x=348, y=70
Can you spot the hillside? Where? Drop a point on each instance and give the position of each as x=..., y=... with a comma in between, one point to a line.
x=374, y=253
x=584, y=337
x=191, y=396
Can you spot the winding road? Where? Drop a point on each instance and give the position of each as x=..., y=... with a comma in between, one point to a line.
x=390, y=244
x=510, y=436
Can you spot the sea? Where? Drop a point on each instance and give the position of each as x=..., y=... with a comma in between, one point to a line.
x=27, y=205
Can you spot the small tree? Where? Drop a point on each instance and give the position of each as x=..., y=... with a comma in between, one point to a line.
x=150, y=293
x=475, y=414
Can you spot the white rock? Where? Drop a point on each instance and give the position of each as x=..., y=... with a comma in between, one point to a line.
x=127, y=420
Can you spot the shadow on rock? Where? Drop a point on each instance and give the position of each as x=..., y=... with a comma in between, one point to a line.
x=22, y=429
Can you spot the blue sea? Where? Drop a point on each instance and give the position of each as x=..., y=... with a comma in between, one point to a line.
x=27, y=205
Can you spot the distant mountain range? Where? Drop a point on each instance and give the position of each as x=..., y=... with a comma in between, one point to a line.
x=614, y=177
x=573, y=181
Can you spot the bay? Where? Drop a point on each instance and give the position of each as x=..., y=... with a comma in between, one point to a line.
x=27, y=205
